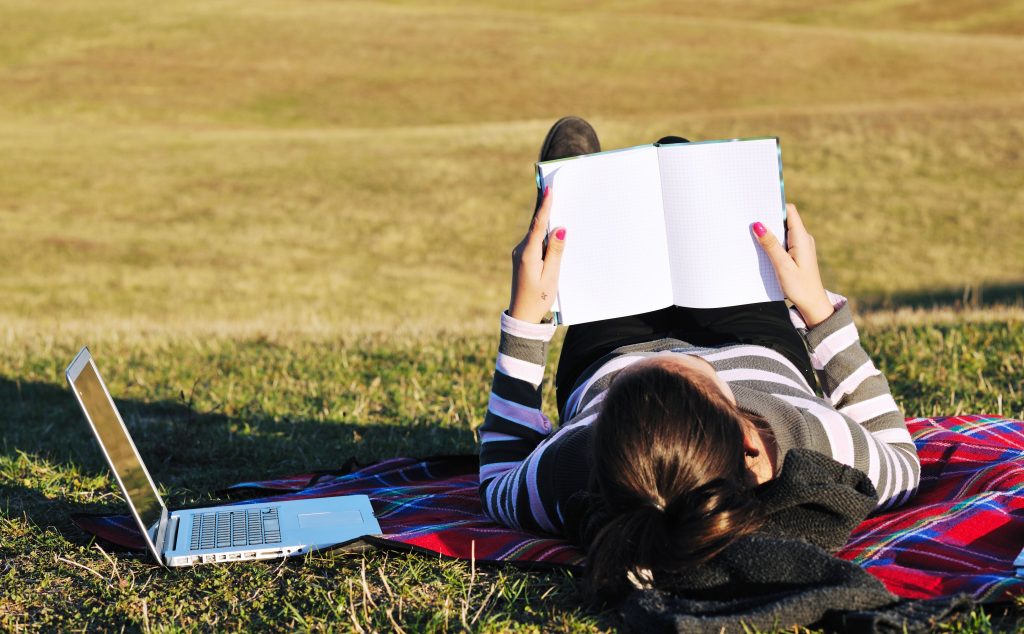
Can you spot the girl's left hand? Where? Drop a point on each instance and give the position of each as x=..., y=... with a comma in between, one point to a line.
x=535, y=269
x=797, y=268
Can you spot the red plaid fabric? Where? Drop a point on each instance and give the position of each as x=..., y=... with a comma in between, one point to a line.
x=965, y=526
x=959, y=534
x=429, y=505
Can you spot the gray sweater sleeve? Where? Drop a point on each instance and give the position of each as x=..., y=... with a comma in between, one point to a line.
x=872, y=434
x=515, y=468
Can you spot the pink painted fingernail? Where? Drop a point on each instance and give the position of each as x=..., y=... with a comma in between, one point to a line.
x=547, y=190
x=560, y=234
x=759, y=229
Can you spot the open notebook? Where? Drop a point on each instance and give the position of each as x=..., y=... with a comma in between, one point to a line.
x=655, y=226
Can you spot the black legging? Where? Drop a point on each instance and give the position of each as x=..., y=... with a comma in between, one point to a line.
x=765, y=324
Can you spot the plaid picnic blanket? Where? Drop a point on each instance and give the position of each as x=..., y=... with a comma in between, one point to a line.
x=959, y=534
x=427, y=505
x=965, y=526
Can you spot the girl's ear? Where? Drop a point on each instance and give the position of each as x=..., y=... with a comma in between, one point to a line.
x=759, y=465
x=752, y=445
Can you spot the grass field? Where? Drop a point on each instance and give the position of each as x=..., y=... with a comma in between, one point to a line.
x=283, y=228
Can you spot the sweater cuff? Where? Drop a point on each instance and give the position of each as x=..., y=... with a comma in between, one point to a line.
x=839, y=321
x=830, y=337
x=527, y=330
x=838, y=301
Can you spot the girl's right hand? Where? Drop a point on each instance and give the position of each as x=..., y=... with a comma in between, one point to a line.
x=797, y=268
x=535, y=268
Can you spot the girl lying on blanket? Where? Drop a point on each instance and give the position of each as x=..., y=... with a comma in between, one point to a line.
x=671, y=418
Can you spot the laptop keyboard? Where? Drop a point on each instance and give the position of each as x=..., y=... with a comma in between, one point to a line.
x=244, y=527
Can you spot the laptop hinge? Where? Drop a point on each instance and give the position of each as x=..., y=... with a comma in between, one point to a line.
x=160, y=538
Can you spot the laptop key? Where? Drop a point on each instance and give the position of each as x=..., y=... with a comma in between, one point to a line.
x=223, y=529
x=238, y=529
x=208, y=532
x=255, y=527
x=272, y=526
x=196, y=528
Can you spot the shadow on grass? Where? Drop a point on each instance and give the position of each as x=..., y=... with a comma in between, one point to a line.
x=969, y=296
x=190, y=454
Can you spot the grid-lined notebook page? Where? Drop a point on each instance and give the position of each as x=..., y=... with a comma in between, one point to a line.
x=615, y=261
x=713, y=192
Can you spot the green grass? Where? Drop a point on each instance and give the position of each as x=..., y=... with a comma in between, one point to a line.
x=207, y=412
x=284, y=229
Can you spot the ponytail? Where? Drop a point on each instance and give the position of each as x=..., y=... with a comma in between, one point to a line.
x=669, y=486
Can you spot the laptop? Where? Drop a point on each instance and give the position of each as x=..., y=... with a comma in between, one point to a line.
x=233, y=532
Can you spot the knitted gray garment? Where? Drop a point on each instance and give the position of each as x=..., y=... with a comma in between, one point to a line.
x=774, y=579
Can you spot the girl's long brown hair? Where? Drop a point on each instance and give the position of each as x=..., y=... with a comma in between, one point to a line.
x=670, y=484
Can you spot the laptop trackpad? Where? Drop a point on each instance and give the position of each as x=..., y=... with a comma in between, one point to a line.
x=330, y=519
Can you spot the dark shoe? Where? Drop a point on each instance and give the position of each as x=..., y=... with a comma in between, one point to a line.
x=570, y=136
x=671, y=140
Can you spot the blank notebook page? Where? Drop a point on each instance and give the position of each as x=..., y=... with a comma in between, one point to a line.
x=713, y=192
x=615, y=262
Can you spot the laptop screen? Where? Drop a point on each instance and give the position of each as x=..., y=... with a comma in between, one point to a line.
x=119, y=448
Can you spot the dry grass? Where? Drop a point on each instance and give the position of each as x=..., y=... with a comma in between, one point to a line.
x=319, y=166
x=311, y=231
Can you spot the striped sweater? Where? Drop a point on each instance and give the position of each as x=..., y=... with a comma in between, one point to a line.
x=530, y=472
